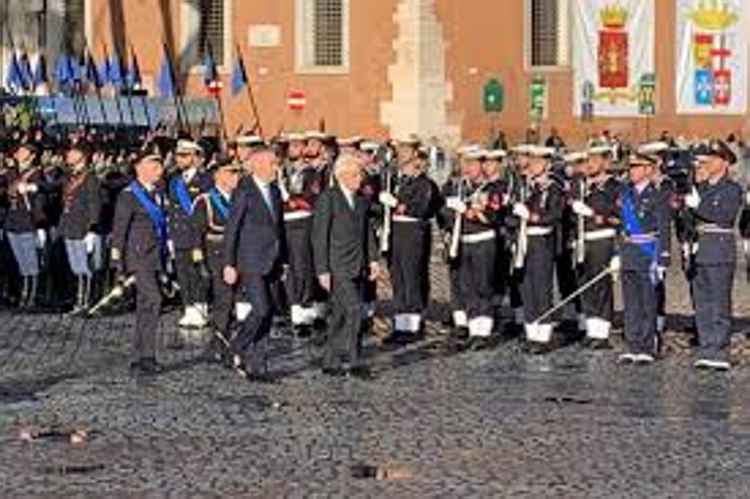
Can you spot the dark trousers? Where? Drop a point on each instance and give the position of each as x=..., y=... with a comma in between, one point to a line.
x=410, y=261
x=147, y=309
x=221, y=297
x=192, y=289
x=345, y=330
x=639, y=311
x=301, y=281
x=475, y=279
x=713, y=309
x=598, y=301
x=255, y=289
x=537, y=289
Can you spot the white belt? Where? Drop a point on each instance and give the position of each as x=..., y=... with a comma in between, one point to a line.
x=714, y=229
x=598, y=235
x=403, y=218
x=296, y=215
x=641, y=238
x=538, y=231
x=480, y=237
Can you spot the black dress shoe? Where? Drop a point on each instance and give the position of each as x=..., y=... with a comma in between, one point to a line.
x=395, y=339
x=334, y=372
x=480, y=343
x=597, y=344
x=135, y=369
x=536, y=348
x=150, y=367
x=262, y=378
x=361, y=372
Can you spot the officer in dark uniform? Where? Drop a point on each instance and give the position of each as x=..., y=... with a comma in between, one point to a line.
x=346, y=255
x=540, y=210
x=303, y=184
x=473, y=247
x=186, y=183
x=644, y=252
x=595, y=198
x=716, y=203
x=414, y=202
x=210, y=215
x=24, y=224
x=79, y=223
x=140, y=249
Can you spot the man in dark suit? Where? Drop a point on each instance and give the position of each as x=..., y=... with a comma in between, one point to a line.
x=255, y=255
x=345, y=255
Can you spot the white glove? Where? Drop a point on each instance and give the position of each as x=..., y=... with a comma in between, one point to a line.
x=170, y=248
x=693, y=199
x=388, y=199
x=456, y=204
x=615, y=264
x=41, y=238
x=90, y=241
x=521, y=211
x=658, y=273
x=26, y=188
x=582, y=209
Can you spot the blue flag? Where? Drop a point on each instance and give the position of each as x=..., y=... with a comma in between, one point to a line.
x=133, y=77
x=92, y=72
x=13, y=78
x=27, y=77
x=210, y=73
x=116, y=71
x=166, y=83
x=239, y=76
x=39, y=76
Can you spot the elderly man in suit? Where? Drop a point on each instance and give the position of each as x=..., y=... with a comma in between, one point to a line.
x=255, y=255
x=345, y=256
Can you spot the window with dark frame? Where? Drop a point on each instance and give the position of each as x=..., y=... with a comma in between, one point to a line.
x=328, y=30
x=545, y=33
x=211, y=32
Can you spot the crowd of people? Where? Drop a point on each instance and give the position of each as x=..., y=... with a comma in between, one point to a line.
x=304, y=225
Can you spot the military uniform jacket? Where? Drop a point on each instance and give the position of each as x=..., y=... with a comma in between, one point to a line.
x=82, y=206
x=181, y=229
x=26, y=211
x=640, y=251
x=304, y=184
x=716, y=214
x=210, y=215
x=546, y=203
x=602, y=197
x=134, y=235
x=472, y=193
x=418, y=197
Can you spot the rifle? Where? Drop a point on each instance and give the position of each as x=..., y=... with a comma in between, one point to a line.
x=687, y=230
x=519, y=194
x=455, y=242
x=745, y=234
x=385, y=232
x=581, y=225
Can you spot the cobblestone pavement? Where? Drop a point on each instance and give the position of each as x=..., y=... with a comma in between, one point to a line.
x=435, y=423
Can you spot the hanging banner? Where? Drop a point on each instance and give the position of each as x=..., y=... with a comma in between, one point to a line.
x=613, y=51
x=538, y=99
x=712, y=38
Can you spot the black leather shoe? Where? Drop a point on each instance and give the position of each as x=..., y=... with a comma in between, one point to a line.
x=150, y=367
x=334, y=372
x=362, y=373
x=135, y=369
x=262, y=378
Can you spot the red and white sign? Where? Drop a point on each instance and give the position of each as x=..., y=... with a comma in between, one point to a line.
x=296, y=100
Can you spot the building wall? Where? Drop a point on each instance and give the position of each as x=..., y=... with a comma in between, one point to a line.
x=481, y=39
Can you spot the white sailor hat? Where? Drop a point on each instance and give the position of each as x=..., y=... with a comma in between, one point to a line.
x=249, y=140
x=408, y=140
x=188, y=146
x=576, y=156
x=353, y=141
x=369, y=146
x=495, y=154
x=652, y=148
x=540, y=151
x=316, y=135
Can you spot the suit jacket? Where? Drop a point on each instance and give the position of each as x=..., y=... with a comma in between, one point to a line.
x=653, y=212
x=181, y=229
x=343, y=240
x=254, y=239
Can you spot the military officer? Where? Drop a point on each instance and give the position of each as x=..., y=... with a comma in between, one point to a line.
x=210, y=215
x=595, y=205
x=79, y=223
x=644, y=252
x=185, y=184
x=413, y=203
x=140, y=250
x=538, y=213
x=716, y=203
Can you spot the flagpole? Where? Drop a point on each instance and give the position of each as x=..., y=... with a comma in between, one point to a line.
x=250, y=93
x=143, y=100
x=107, y=62
x=175, y=90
